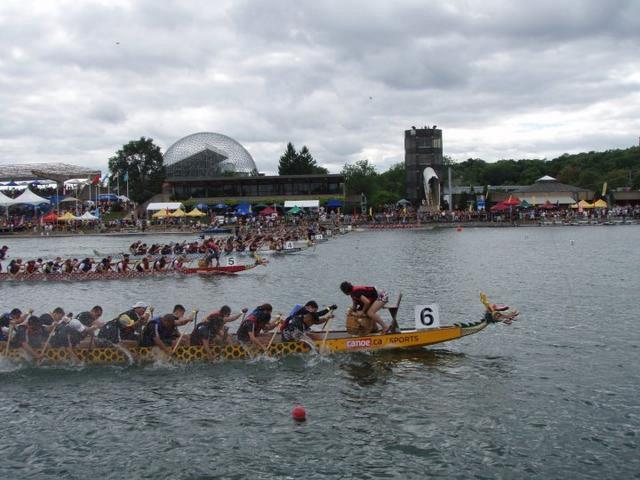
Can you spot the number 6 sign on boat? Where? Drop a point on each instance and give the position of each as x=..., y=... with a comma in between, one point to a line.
x=427, y=316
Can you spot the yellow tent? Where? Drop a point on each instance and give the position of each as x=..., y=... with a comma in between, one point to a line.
x=67, y=217
x=585, y=204
x=160, y=214
x=600, y=204
x=574, y=205
x=179, y=213
x=196, y=213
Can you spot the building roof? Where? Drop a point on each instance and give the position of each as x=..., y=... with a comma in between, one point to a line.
x=49, y=171
x=545, y=185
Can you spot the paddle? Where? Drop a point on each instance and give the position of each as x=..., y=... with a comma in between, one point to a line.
x=274, y=333
x=322, y=348
x=195, y=316
x=53, y=331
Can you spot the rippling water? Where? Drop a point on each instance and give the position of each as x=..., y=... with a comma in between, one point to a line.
x=555, y=395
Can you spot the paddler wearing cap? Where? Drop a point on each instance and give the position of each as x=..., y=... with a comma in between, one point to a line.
x=122, y=328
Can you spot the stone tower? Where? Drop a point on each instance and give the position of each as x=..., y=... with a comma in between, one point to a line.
x=422, y=149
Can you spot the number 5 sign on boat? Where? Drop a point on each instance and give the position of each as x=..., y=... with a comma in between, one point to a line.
x=427, y=316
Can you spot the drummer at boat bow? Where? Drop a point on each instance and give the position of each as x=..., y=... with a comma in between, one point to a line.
x=257, y=321
x=367, y=301
x=298, y=324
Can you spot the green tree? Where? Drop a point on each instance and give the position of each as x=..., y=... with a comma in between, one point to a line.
x=141, y=161
x=298, y=163
x=360, y=177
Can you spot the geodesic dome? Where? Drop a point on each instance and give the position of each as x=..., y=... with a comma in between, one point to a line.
x=207, y=154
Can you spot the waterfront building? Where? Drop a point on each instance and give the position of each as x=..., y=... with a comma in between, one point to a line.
x=210, y=167
x=424, y=166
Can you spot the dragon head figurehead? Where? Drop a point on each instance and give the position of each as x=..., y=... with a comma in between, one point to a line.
x=498, y=313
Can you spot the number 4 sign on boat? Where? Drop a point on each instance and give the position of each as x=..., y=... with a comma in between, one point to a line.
x=427, y=316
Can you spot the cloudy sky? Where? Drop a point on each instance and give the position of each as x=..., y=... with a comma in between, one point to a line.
x=503, y=79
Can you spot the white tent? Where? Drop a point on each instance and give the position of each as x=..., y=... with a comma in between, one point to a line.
x=165, y=206
x=88, y=216
x=5, y=201
x=29, y=198
x=302, y=203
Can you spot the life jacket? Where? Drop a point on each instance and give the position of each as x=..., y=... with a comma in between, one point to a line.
x=31, y=267
x=292, y=314
x=360, y=290
x=254, y=322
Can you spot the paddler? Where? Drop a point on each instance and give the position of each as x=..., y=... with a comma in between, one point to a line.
x=122, y=329
x=123, y=265
x=69, y=334
x=104, y=265
x=257, y=321
x=159, y=333
x=15, y=317
x=30, y=337
x=86, y=265
x=212, y=328
x=3, y=252
x=367, y=301
x=298, y=324
x=143, y=265
x=160, y=264
x=52, y=318
x=91, y=317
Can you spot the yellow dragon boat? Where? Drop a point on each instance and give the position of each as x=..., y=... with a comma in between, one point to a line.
x=334, y=341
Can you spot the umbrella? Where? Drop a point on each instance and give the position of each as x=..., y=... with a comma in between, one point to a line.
x=333, y=203
x=512, y=201
x=525, y=204
x=160, y=214
x=548, y=205
x=403, y=201
x=203, y=207
x=221, y=206
x=87, y=216
x=67, y=217
x=268, y=211
x=179, y=213
x=50, y=218
x=68, y=199
x=260, y=206
x=108, y=197
x=195, y=213
x=499, y=207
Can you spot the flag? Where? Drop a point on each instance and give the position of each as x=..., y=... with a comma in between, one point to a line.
x=126, y=176
x=95, y=180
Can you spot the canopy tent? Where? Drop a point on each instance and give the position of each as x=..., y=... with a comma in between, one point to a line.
x=164, y=206
x=548, y=205
x=160, y=214
x=582, y=204
x=108, y=197
x=512, y=201
x=333, y=203
x=87, y=217
x=123, y=198
x=600, y=204
x=195, y=213
x=243, y=209
x=5, y=201
x=30, y=198
x=179, y=213
x=302, y=203
x=268, y=211
x=500, y=207
x=525, y=204
x=67, y=217
x=50, y=218
x=294, y=211
x=403, y=201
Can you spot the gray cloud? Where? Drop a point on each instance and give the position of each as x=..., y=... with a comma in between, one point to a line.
x=503, y=79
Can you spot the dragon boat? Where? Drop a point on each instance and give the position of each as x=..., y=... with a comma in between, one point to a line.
x=335, y=341
x=110, y=275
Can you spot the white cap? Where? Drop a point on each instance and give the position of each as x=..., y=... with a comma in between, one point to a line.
x=139, y=305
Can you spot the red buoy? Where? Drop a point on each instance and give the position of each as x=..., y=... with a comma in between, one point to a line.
x=299, y=414
x=459, y=229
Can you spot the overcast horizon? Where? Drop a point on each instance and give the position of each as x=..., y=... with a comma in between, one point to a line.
x=503, y=79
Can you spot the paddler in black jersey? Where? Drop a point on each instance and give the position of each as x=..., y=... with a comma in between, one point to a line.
x=212, y=329
x=11, y=320
x=52, y=318
x=3, y=252
x=30, y=337
x=257, y=321
x=298, y=324
x=159, y=333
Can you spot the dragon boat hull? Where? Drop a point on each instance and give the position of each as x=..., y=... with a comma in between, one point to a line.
x=56, y=277
x=337, y=342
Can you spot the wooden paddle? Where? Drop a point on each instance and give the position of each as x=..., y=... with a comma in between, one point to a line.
x=274, y=333
x=322, y=348
x=46, y=344
x=195, y=316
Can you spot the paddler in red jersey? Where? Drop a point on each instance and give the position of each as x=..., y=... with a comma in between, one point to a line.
x=367, y=301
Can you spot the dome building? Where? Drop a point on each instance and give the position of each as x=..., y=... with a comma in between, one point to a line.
x=211, y=167
x=208, y=154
